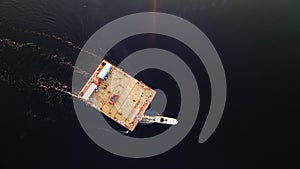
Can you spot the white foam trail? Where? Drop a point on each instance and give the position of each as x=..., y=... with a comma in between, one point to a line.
x=45, y=84
x=61, y=61
x=14, y=44
x=152, y=113
x=55, y=37
x=54, y=57
x=48, y=84
x=113, y=131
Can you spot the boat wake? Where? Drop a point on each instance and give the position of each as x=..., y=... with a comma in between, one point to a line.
x=27, y=65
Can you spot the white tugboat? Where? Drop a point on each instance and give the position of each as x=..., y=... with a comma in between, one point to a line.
x=158, y=119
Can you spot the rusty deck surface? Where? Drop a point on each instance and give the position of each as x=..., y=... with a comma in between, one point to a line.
x=133, y=96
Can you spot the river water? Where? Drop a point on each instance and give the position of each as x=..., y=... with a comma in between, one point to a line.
x=39, y=44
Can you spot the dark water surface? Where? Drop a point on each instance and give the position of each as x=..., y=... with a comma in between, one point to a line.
x=258, y=45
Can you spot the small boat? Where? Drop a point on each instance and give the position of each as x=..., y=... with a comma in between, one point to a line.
x=165, y=120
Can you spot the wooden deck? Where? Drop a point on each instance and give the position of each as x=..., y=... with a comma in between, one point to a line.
x=134, y=97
